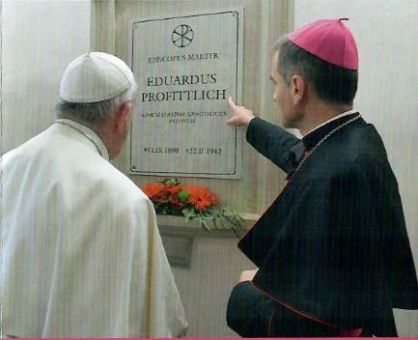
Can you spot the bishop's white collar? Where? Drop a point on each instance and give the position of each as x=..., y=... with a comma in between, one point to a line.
x=332, y=119
x=88, y=134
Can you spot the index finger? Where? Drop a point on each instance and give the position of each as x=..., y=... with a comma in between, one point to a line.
x=231, y=102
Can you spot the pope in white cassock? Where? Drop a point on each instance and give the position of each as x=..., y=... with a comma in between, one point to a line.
x=82, y=256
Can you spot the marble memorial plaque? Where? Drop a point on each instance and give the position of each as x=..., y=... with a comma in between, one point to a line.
x=186, y=68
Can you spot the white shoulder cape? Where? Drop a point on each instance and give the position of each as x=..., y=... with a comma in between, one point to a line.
x=82, y=256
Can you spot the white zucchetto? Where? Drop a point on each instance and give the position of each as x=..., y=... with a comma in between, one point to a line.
x=94, y=77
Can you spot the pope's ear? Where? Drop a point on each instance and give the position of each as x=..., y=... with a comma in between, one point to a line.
x=122, y=117
x=298, y=87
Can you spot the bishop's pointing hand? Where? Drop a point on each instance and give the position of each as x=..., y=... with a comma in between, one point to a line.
x=240, y=115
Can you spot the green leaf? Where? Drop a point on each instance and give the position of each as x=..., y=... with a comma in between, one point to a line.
x=170, y=181
x=189, y=213
x=204, y=223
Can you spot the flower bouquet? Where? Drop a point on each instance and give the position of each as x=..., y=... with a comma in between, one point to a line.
x=170, y=197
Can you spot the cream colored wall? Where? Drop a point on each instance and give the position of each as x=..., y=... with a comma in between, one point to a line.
x=39, y=39
x=216, y=262
x=387, y=37
x=264, y=21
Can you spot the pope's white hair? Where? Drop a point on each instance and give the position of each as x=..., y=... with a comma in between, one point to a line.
x=97, y=112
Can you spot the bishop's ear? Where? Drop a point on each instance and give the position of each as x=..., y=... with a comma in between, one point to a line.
x=123, y=117
x=298, y=87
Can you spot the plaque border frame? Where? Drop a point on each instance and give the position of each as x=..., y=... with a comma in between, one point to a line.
x=239, y=11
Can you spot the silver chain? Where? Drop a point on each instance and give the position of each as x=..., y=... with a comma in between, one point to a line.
x=91, y=139
x=339, y=127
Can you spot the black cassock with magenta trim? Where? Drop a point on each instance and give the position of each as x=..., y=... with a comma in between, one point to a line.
x=332, y=250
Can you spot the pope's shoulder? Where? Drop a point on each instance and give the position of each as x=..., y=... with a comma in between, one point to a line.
x=108, y=176
x=67, y=162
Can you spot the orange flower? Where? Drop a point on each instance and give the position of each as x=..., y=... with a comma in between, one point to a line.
x=160, y=197
x=176, y=203
x=215, y=199
x=201, y=198
x=173, y=189
x=153, y=189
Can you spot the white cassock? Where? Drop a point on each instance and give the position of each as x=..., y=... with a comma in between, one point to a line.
x=82, y=255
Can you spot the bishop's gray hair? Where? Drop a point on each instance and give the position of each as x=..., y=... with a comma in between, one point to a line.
x=331, y=83
x=97, y=112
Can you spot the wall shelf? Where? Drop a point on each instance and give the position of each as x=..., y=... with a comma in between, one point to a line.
x=177, y=224
x=177, y=235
